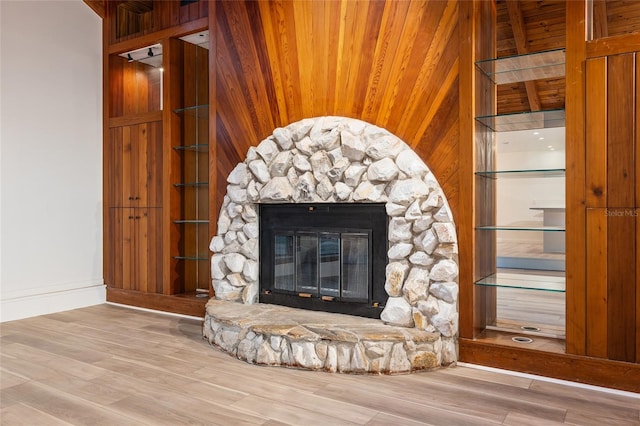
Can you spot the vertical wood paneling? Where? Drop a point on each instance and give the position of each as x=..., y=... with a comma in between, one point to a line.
x=575, y=179
x=126, y=226
x=620, y=131
x=596, y=132
x=597, y=297
x=621, y=295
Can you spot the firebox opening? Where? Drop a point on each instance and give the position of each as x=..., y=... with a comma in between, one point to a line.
x=324, y=257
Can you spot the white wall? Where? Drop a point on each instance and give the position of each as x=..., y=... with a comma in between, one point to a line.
x=529, y=150
x=51, y=157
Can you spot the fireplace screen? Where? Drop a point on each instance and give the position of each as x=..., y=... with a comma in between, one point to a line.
x=311, y=254
x=323, y=264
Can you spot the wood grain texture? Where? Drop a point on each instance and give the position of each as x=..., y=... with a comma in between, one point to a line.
x=575, y=178
x=621, y=168
x=621, y=285
x=596, y=132
x=613, y=45
x=134, y=165
x=597, y=294
x=111, y=365
x=393, y=64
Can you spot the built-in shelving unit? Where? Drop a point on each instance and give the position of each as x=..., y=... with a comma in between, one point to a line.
x=191, y=212
x=528, y=274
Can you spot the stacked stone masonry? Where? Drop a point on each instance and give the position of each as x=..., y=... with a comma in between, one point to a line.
x=337, y=159
x=279, y=335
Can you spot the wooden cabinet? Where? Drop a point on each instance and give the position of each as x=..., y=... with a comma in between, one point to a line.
x=134, y=165
x=137, y=246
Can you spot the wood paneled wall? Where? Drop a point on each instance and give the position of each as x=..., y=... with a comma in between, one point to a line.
x=390, y=63
x=612, y=134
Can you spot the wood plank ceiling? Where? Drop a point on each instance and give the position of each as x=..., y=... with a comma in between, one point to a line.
x=525, y=27
x=533, y=26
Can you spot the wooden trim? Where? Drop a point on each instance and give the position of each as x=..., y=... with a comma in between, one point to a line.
x=596, y=132
x=582, y=369
x=213, y=158
x=575, y=178
x=158, y=36
x=185, y=305
x=615, y=45
x=131, y=120
x=170, y=133
x=466, y=239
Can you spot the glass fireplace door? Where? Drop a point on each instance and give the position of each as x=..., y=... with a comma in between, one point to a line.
x=323, y=264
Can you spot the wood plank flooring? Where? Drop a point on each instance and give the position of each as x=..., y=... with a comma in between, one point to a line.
x=109, y=365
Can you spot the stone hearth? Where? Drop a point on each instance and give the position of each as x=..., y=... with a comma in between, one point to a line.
x=279, y=335
x=330, y=160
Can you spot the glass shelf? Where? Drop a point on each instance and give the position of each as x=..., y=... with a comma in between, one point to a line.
x=524, y=281
x=197, y=148
x=190, y=258
x=541, y=173
x=190, y=184
x=193, y=221
x=199, y=111
x=521, y=228
x=524, y=120
x=531, y=66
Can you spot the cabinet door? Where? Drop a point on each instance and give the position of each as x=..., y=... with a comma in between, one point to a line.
x=147, y=255
x=134, y=165
x=137, y=249
x=121, y=244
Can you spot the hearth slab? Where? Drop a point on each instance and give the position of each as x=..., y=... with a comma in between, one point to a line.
x=279, y=335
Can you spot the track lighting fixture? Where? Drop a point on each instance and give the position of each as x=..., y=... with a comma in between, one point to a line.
x=129, y=58
x=150, y=52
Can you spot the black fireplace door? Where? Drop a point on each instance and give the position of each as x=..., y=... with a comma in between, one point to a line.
x=328, y=257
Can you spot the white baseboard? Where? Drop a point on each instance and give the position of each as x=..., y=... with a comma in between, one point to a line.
x=50, y=300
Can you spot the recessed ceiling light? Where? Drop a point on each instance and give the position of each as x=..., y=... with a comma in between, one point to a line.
x=536, y=133
x=540, y=138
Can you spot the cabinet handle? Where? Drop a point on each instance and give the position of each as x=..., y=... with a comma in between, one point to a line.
x=130, y=198
x=137, y=217
x=130, y=217
x=136, y=198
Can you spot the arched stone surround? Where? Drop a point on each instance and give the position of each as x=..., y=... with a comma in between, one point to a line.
x=337, y=159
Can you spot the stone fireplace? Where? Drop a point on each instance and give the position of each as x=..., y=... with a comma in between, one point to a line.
x=310, y=168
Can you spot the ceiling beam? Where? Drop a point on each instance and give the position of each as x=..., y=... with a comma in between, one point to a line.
x=520, y=37
x=600, y=25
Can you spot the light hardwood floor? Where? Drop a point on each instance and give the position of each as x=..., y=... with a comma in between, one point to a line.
x=109, y=365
